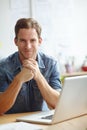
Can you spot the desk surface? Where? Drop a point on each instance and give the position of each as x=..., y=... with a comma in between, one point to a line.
x=79, y=123
x=74, y=74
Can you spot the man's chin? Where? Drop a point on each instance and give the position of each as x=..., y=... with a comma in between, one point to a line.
x=28, y=57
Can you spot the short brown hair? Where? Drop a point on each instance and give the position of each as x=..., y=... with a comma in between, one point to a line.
x=27, y=23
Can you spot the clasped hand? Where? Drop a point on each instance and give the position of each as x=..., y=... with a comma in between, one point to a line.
x=30, y=70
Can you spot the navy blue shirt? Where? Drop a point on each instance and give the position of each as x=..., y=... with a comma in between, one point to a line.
x=29, y=97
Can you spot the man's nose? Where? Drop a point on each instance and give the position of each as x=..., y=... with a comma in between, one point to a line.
x=29, y=45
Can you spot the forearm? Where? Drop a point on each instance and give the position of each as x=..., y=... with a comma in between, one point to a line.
x=8, y=97
x=49, y=94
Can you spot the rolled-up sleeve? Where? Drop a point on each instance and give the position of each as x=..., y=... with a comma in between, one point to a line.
x=54, y=79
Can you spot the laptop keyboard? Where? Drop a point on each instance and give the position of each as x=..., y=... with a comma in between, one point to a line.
x=48, y=117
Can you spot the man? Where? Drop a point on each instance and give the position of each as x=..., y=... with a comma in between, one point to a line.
x=28, y=78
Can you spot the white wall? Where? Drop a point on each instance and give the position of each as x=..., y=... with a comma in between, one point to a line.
x=4, y=27
x=70, y=29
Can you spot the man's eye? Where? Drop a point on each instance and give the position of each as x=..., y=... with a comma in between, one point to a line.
x=23, y=41
x=33, y=40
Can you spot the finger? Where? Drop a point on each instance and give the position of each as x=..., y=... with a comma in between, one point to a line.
x=32, y=60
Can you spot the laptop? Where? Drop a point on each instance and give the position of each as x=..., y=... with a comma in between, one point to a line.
x=72, y=103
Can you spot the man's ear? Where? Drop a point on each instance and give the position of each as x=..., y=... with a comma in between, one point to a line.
x=40, y=41
x=15, y=41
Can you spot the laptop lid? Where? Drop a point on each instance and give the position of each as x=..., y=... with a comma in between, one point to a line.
x=72, y=103
x=73, y=99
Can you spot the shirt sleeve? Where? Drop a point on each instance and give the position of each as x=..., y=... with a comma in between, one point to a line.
x=54, y=79
x=3, y=82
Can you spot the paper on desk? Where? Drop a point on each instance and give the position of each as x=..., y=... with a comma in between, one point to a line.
x=19, y=126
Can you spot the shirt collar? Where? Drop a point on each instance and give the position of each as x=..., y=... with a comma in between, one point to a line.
x=17, y=61
x=40, y=60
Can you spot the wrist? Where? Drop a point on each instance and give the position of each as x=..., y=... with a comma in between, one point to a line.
x=18, y=79
x=39, y=77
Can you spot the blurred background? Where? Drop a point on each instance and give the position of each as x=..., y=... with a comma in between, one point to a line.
x=64, y=29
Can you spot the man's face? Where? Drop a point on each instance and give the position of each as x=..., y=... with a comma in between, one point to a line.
x=27, y=42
